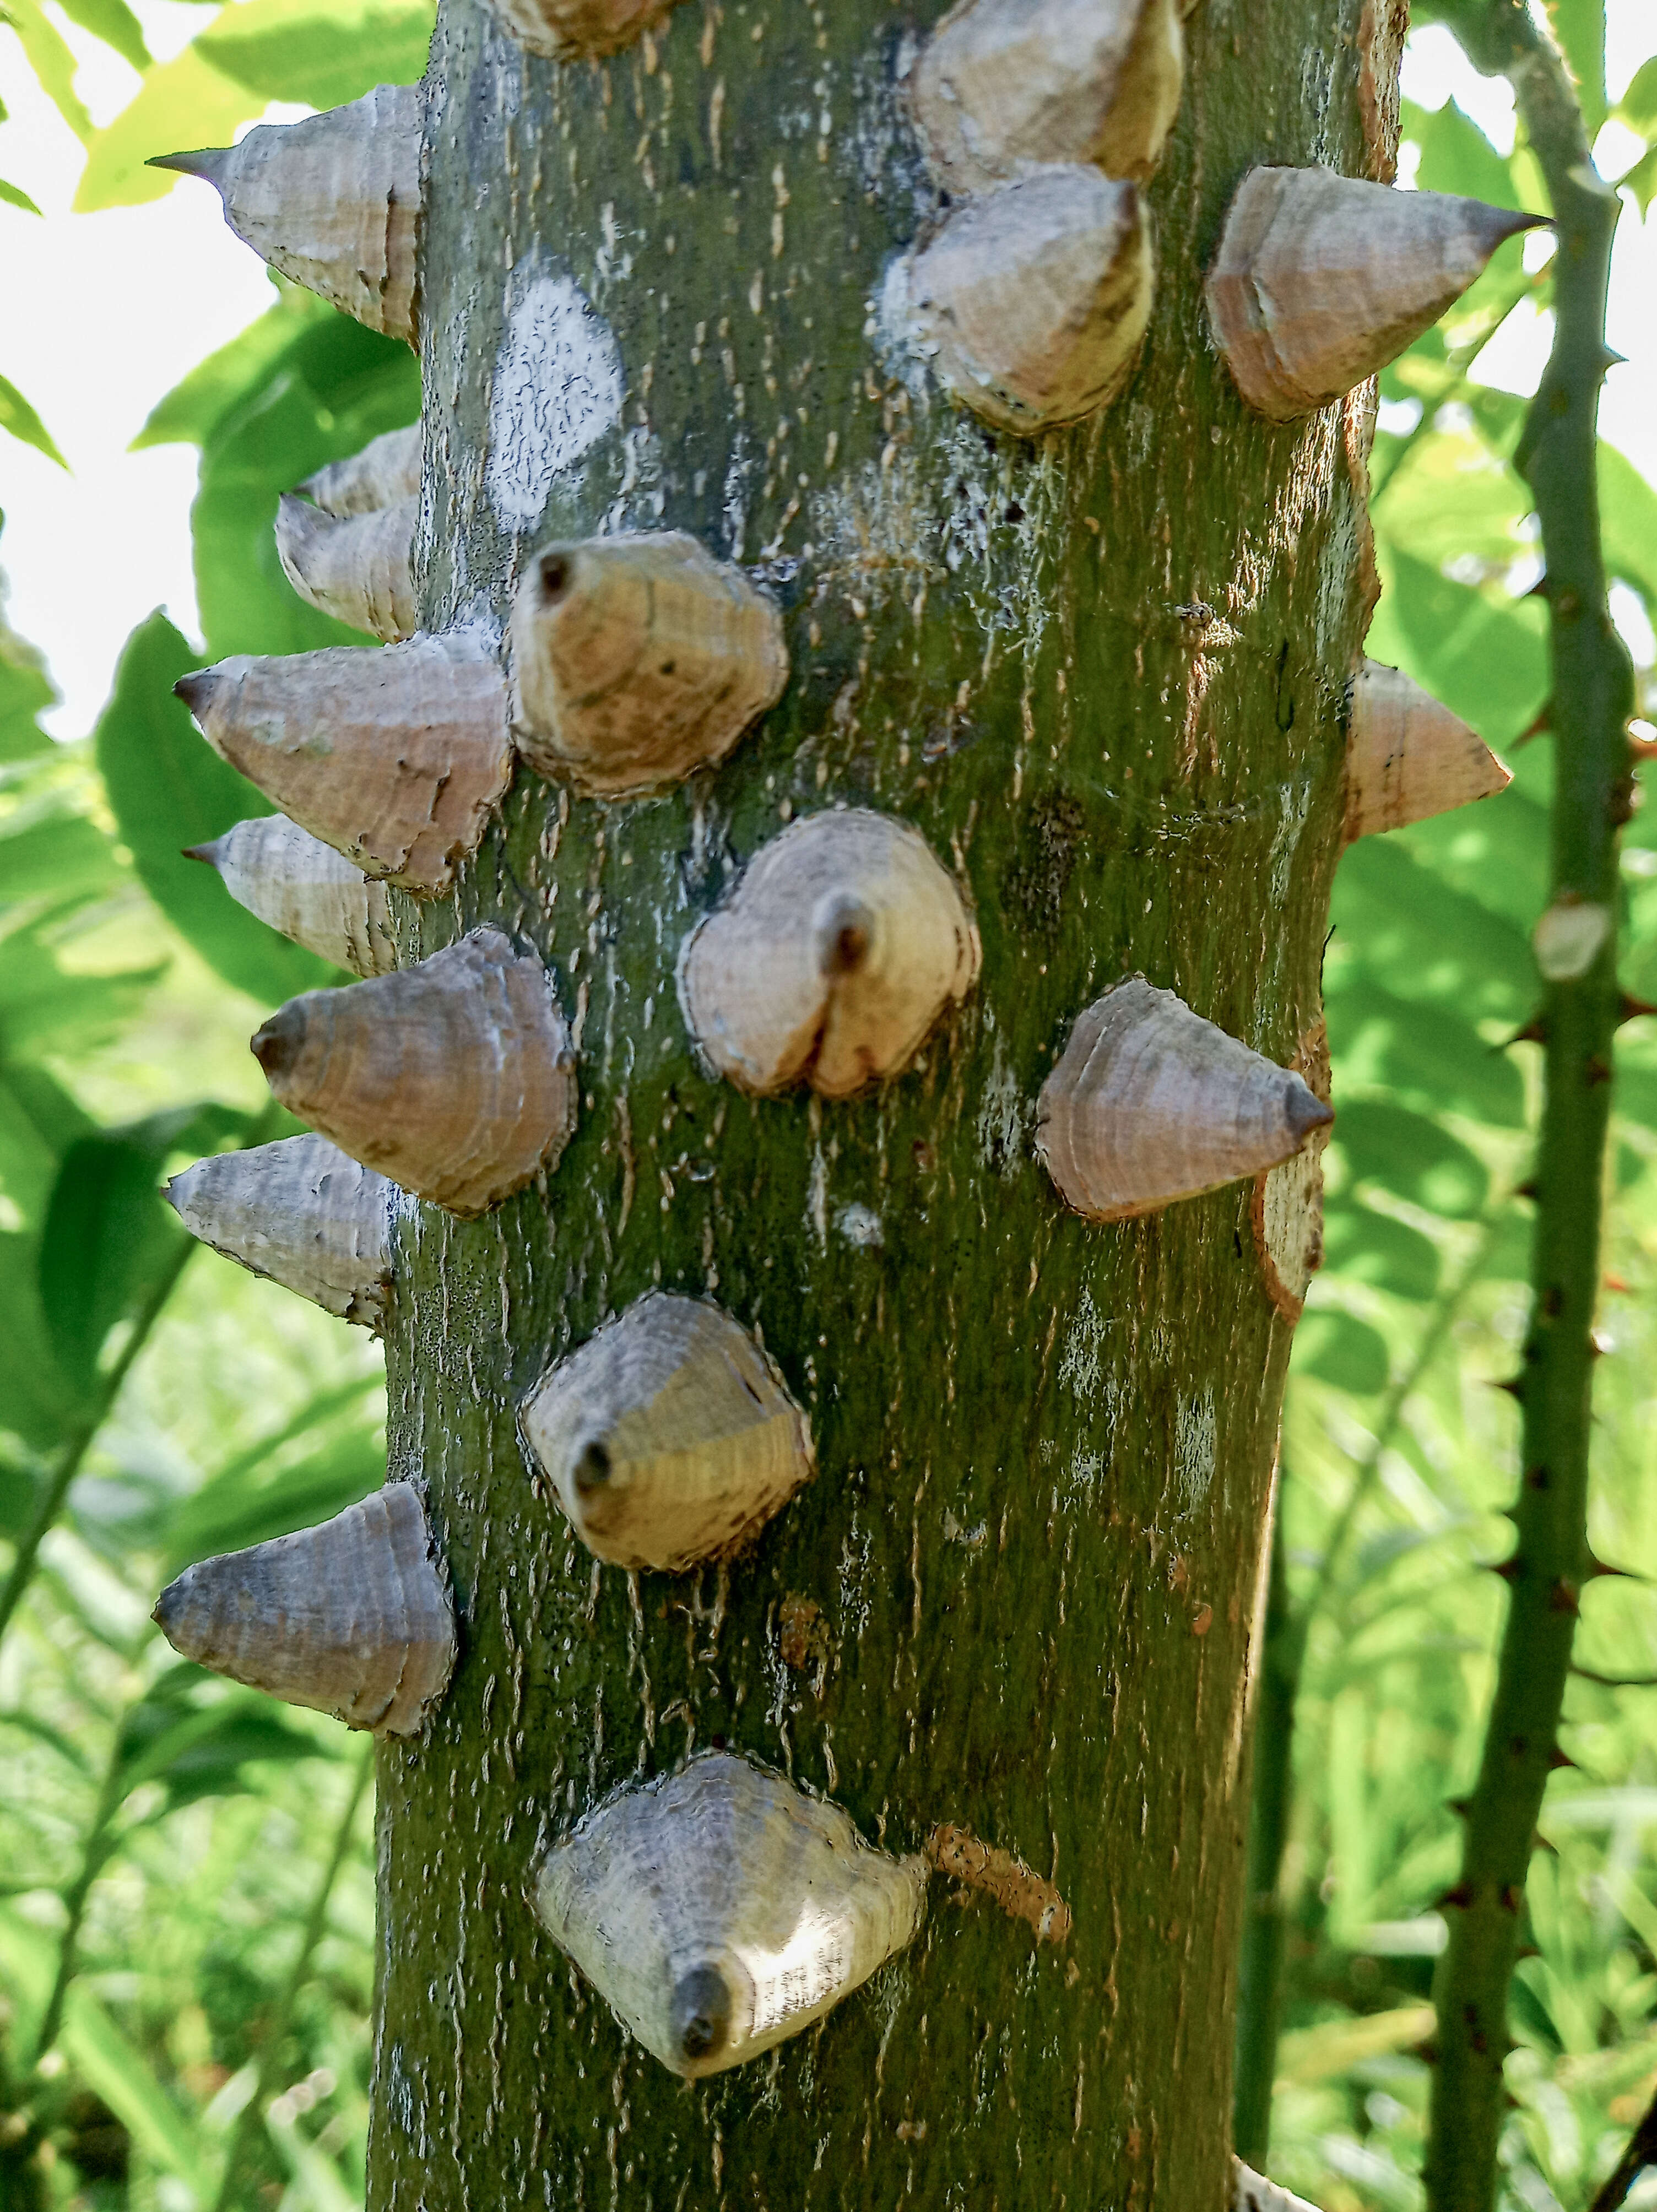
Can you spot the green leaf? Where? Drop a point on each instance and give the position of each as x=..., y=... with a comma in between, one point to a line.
x=1457, y=157
x=197, y=1745
x=14, y=195
x=169, y=789
x=1337, y=1348
x=1638, y=105
x=26, y=692
x=113, y=21
x=1628, y=523
x=1451, y=497
x=227, y=1516
x=1411, y=1156
x=54, y=852
x=338, y=386
x=107, y=1238
x=1363, y=1246
x=19, y=419
x=262, y=1494
x=1425, y=1055
x=251, y=52
x=1580, y=27
x=1642, y=180
x=99, y=2053
x=44, y=1007
x=293, y=50
x=115, y=2070
x=1426, y=940
x=182, y=104
x=194, y=410
x=1484, y=655
x=52, y=62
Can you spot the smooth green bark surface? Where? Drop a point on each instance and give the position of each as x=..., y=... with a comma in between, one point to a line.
x=1105, y=674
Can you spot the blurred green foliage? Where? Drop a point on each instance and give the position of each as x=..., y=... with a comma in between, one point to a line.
x=170, y=1911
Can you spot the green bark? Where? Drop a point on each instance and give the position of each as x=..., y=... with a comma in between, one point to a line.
x=1550, y=1565
x=1105, y=673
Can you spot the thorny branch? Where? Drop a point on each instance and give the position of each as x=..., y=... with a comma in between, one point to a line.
x=1591, y=701
x=1283, y=1664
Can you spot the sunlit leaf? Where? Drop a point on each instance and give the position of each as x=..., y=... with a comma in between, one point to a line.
x=181, y=105
x=113, y=21
x=1457, y=157
x=293, y=49
x=52, y=62
x=1338, y=1348
x=17, y=416
x=1411, y=1156
x=14, y=195
x=1580, y=27
x=1363, y=1246
x=251, y=52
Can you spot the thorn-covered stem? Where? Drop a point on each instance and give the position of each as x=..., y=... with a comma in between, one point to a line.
x=1592, y=699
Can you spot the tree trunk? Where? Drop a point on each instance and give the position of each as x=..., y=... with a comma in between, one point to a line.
x=1104, y=673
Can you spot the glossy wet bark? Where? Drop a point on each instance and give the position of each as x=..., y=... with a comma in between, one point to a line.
x=1104, y=673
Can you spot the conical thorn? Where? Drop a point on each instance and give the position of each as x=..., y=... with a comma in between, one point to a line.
x=206, y=162
x=197, y=688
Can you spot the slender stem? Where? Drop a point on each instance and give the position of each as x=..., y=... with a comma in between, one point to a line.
x=1283, y=1664
x=1593, y=698
x=1260, y=1973
x=253, y=2113
x=94, y=1855
x=1641, y=2153
x=78, y=1442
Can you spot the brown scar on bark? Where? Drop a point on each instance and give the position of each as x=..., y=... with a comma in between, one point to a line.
x=1286, y=1211
x=803, y=1633
x=1005, y=1880
x=1382, y=30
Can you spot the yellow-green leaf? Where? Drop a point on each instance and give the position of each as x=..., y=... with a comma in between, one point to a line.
x=21, y=419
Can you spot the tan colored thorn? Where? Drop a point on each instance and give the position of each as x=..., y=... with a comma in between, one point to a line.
x=455, y=1078
x=396, y=757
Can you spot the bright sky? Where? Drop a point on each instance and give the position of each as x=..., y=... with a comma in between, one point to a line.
x=125, y=301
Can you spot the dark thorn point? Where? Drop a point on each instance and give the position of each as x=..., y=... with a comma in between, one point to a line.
x=1562, y=1598
x=1457, y=1900
x=205, y=162
x=1539, y=1843
x=1305, y=1110
x=1632, y=1008
x=700, y=2018
x=845, y=931
x=1557, y=1759
x=1515, y=1386
x=1461, y=1807
x=1534, y=1032
x=594, y=1466
x=208, y=855
x=278, y=1045
x=1511, y=1570
x=196, y=689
